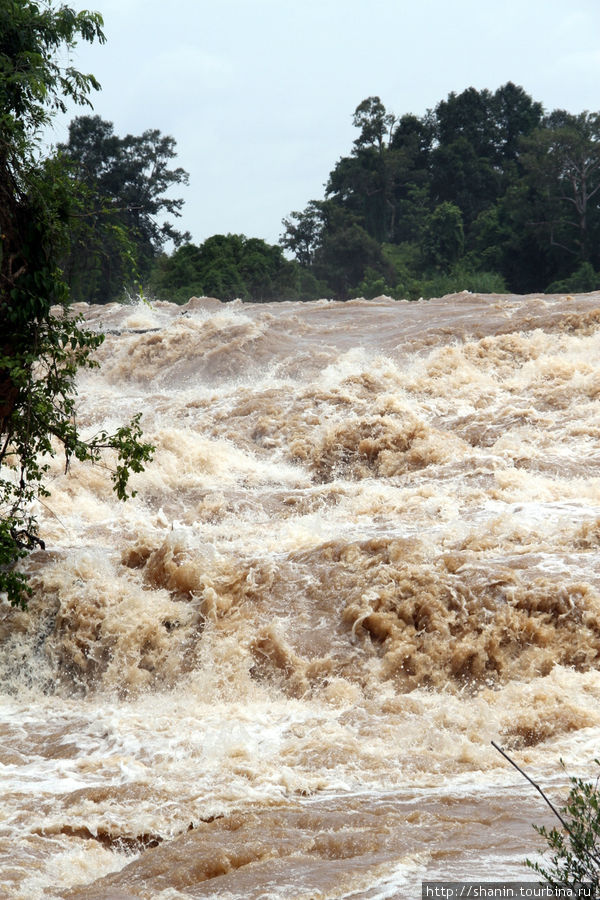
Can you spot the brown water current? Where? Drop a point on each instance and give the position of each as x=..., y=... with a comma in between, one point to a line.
x=368, y=545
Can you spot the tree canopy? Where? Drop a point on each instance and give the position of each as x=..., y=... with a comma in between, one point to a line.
x=228, y=267
x=485, y=191
x=125, y=186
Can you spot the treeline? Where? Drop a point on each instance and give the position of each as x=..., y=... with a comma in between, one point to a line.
x=121, y=217
x=230, y=266
x=486, y=192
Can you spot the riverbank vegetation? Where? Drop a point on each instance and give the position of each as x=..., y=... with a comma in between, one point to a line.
x=486, y=192
x=573, y=867
x=124, y=189
x=42, y=346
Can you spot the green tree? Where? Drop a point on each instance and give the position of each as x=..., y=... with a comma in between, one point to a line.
x=345, y=254
x=444, y=239
x=468, y=115
x=516, y=115
x=461, y=177
x=410, y=149
x=366, y=182
x=491, y=124
x=575, y=846
x=229, y=266
x=375, y=124
x=41, y=345
x=484, y=188
x=126, y=183
x=478, y=148
x=303, y=232
x=581, y=281
x=528, y=260
x=562, y=161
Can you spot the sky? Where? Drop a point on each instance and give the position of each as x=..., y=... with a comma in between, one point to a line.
x=259, y=94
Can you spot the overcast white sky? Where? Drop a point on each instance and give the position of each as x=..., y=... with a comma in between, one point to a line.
x=259, y=94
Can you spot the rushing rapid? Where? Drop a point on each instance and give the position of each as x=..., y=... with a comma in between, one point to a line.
x=367, y=546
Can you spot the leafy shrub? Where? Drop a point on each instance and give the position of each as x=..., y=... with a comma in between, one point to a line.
x=582, y=280
x=575, y=846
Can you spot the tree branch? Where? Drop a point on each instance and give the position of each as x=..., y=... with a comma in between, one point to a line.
x=594, y=857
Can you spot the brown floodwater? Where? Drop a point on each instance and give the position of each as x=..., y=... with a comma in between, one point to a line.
x=367, y=546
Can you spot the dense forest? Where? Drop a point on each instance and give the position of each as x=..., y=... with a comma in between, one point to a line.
x=486, y=192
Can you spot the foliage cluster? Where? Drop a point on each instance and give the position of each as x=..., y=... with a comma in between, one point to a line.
x=485, y=192
x=575, y=847
x=42, y=346
x=574, y=867
x=123, y=188
x=230, y=266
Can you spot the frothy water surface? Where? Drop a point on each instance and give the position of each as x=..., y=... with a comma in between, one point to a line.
x=368, y=545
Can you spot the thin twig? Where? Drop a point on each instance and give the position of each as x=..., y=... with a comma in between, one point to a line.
x=532, y=782
x=576, y=843
x=52, y=513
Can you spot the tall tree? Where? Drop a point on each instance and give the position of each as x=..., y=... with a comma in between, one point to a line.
x=375, y=124
x=484, y=180
x=128, y=182
x=516, y=115
x=468, y=115
x=364, y=183
x=303, y=232
x=444, y=239
x=562, y=160
x=346, y=250
x=461, y=177
x=40, y=351
x=478, y=145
